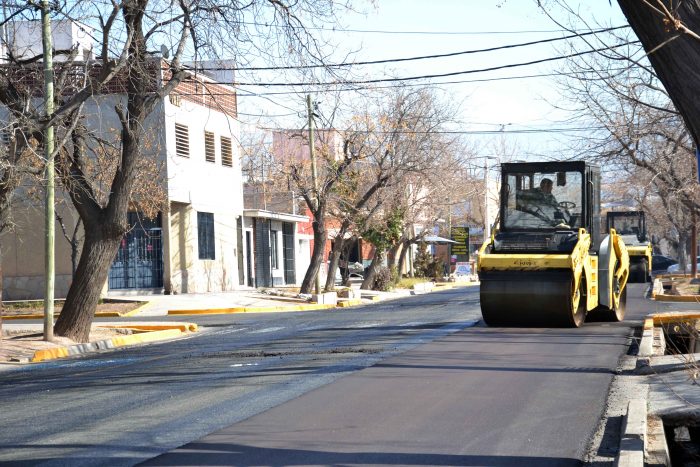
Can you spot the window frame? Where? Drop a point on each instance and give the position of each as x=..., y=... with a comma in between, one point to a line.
x=206, y=238
x=226, y=151
x=274, y=260
x=182, y=140
x=209, y=147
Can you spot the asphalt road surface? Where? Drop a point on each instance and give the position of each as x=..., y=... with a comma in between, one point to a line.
x=416, y=381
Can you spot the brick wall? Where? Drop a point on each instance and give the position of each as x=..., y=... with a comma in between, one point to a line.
x=197, y=89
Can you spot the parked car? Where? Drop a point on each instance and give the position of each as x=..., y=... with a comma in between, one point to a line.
x=676, y=268
x=660, y=263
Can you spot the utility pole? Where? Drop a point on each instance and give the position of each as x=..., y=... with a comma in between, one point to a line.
x=50, y=267
x=314, y=176
x=487, y=214
x=694, y=229
x=449, y=235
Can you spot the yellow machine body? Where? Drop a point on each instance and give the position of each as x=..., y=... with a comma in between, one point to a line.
x=548, y=264
x=631, y=225
x=594, y=285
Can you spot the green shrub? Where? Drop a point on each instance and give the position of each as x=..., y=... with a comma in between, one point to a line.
x=421, y=264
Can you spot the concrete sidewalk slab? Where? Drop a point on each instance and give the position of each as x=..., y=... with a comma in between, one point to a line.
x=135, y=333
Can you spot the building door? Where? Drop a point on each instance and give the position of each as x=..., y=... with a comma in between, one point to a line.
x=139, y=261
x=288, y=253
x=239, y=250
x=263, y=270
x=249, y=258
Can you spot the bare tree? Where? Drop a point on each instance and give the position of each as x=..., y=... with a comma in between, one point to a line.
x=668, y=30
x=406, y=150
x=636, y=133
x=128, y=32
x=332, y=167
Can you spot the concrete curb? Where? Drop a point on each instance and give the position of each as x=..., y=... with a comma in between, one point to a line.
x=147, y=327
x=252, y=309
x=633, y=436
x=646, y=345
x=637, y=444
x=657, y=288
x=166, y=332
x=657, y=292
x=677, y=298
x=649, y=336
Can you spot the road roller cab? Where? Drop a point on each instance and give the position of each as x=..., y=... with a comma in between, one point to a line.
x=547, y=264
x=632, y=226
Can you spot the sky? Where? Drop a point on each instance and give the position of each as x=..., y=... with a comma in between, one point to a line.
x=410, y=28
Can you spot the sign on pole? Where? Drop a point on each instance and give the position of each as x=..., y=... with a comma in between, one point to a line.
x=461, y=248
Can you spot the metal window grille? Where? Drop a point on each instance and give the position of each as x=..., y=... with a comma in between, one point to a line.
x=239, y=247
x=288, y=253
x=175, y=100
x=273, y=249
x=139, y=260
x=263, y=274
x=226, y=152
x=205, y=235
x=182, y=140
x=209, y=147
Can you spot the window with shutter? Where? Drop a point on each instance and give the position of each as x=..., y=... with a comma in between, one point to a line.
x=182, y=140
x=209, y=148
x=226, y=152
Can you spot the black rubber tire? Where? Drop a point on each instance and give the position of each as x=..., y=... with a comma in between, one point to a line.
x=610, y=315
x=639, y=270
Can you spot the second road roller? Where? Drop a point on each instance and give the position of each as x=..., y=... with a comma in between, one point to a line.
x=547, y=264
x=633, y=228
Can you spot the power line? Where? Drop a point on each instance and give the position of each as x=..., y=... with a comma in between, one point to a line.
x=439, y=83
x=422, y=57
x=463, y=132
x=379, y=31
x=263, y=115
x=442, y=75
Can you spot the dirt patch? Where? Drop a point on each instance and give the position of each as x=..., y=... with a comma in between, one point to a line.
x=20, y=345
x=680, y=285
x=37, y=307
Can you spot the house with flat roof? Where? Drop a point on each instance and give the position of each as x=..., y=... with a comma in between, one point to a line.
x=201, y=241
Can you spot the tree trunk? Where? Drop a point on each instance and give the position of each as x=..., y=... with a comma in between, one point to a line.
x=335, y=254
x=368, y=283
x=345, y=253
x=405, y=245
x=683, y=240
x=676, y=62
x=392, y=255
x=75, y=319
x=333, y=261
x=316, y=256
x=1, y=304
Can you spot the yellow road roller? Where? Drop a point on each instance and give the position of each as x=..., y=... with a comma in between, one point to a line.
x=547, y=264
x=632, y=226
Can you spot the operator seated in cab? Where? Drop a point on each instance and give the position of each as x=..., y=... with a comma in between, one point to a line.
x=541, y=203
x=555, y=211
x=544, y=196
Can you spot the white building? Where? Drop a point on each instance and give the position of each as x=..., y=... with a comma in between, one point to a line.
x=201, y=241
